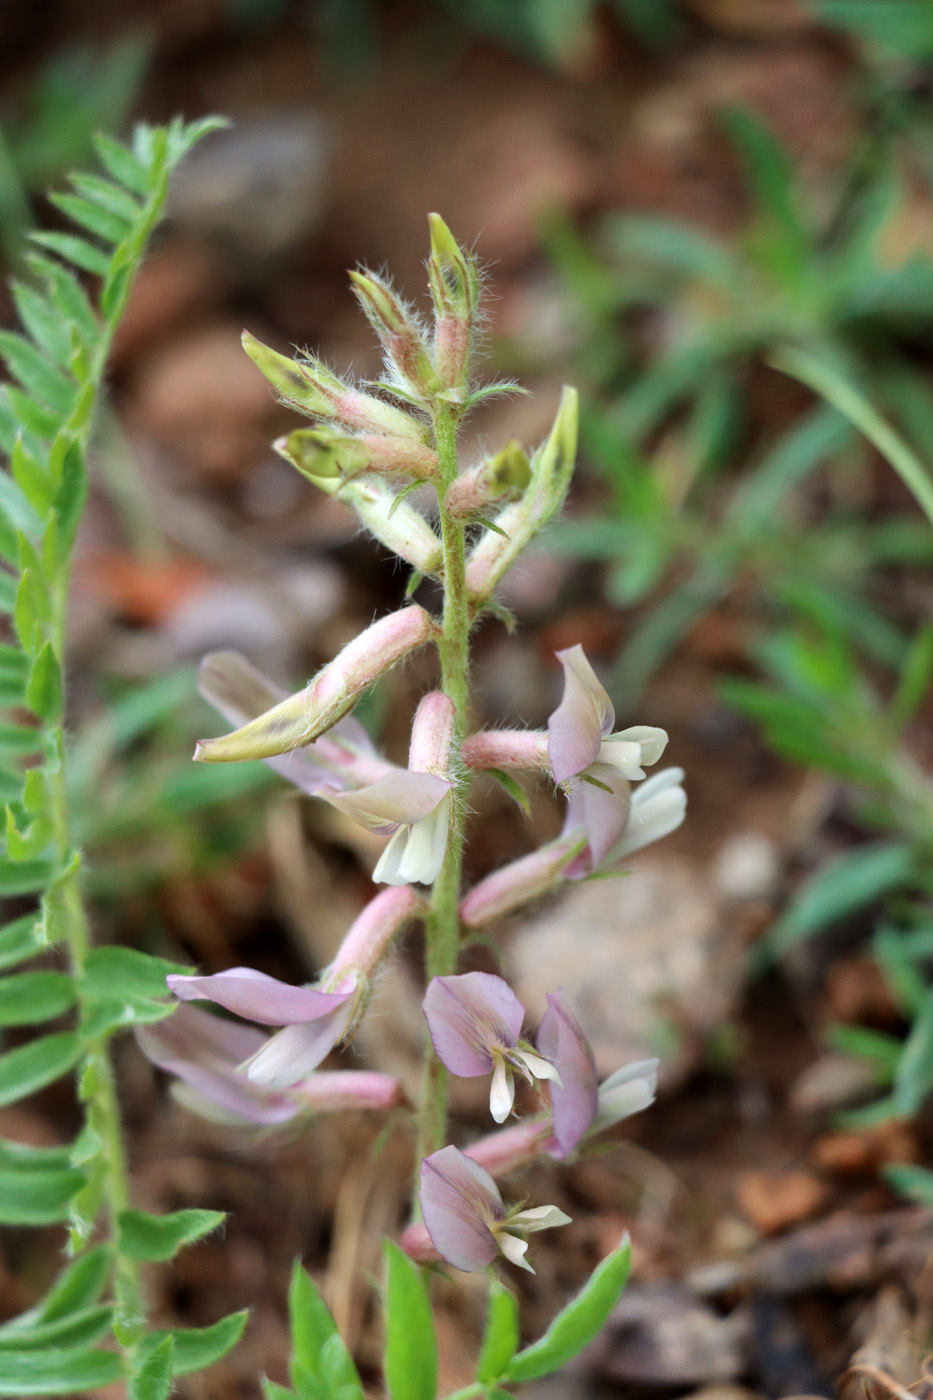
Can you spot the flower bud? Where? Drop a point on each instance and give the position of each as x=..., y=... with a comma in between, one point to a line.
x=308, y=714
x=506, y=748
x=499, y=479
x=394, y=523
x=432, y=733
x=370, y=937
x=551, y=469
x=518, y=882
x=400, y=335
x=310, y=387
x=327, y=457
x=455, y=291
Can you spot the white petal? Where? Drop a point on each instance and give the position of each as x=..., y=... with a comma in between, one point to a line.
x=427, y=846
x=514, y=1250
x=650, y=740
x=540, y=1218
x=502, y=1091
x=537, y=1067
x=658, y=808
x=388, y=870
x=624, y=757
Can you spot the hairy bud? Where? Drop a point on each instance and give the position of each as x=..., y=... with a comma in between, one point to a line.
x=497, y=480
x=400, y=335
x=325, y=456
x=455, y=292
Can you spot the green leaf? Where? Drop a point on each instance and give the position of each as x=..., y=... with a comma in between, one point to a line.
x=77, y=1329
x=55, y=1373
x=25, y=877
x=20, y=739
x=338, y=1371
x=195, y=1348
x=71, y=494
x=126, y=972
x=578, y=1323
x=512, y=787
x=68, y=298
x=501, y=1337
x=311, y=1322
x=271, y=1391
x=411, y=1343
x=839, y=889
x=31, y=1067
x=913, y=683
x=36, y=374
x=913, y=1079
x=32, y=417
x=90, y=216
x=120, y=162
x=44, y=323
x=32, y=477
x=44, y=690
x=75, y=250
x=153, y=1379
x=76, y=1289
x=29, y=997
x=914, y=1182
x=37, y=1198
x=156, y=1238
x=105, y=195
x=20, y=940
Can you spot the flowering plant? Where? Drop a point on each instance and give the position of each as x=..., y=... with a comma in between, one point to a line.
x=374, y=449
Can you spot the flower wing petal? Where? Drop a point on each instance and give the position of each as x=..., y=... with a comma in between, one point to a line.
x=581, y=720
x=295, y=1051
x=459, y=1202
x=469, y=1013
x=399, y=799
x=258, y=997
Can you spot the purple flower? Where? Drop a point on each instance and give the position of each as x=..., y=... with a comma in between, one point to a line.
x=465, y=1216
x=475, y=1020
x=574, y=1097
x=207, y=1055
x=314, y=1021
x=580, y=741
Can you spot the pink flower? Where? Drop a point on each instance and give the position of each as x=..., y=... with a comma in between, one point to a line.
x=466, y=1219
x=475, y=1020
x=207, y=1055
x=579, y=731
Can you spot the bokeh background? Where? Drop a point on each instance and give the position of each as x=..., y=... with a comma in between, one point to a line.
x=670, y=197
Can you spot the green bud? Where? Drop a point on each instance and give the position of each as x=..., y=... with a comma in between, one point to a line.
x=452, y=273
x=324, y=457
x=398, y=332
x=510, y=469
x=312, y=391
x=500, y=478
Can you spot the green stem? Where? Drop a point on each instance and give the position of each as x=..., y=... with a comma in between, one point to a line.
x=442, y=930
x=98, y=1087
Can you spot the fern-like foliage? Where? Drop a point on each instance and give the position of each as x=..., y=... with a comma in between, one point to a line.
x=79, y=996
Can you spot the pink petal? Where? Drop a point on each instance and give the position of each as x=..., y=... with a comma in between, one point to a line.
x=467, y=1015
x=602, y=815
x=574, y=1100
x=459, y=1201
x=583, y=717
x=258, y=997
x=400, y=799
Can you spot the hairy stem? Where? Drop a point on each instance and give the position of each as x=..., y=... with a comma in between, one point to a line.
x=442, y=932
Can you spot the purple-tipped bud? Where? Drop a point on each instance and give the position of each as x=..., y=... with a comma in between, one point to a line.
x=466, y=1219
x=312, y=388
x=506, y=748
x=328, y=458
x=311, y=712
x=475, y=1020
x=551, y=470
x=496, y=481
x=397, y=328
x=521, y=881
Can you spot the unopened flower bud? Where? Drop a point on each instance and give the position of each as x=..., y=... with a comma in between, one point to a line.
x=499, y=479
x=372, y=934
x=551, y=469
x=506, y=748
x=455, y=291
x=515, y=884
x=399, y=332
x=393, y=522
x=335, y=690
x=310, y=386
x=432, y=734
x=327, y=457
